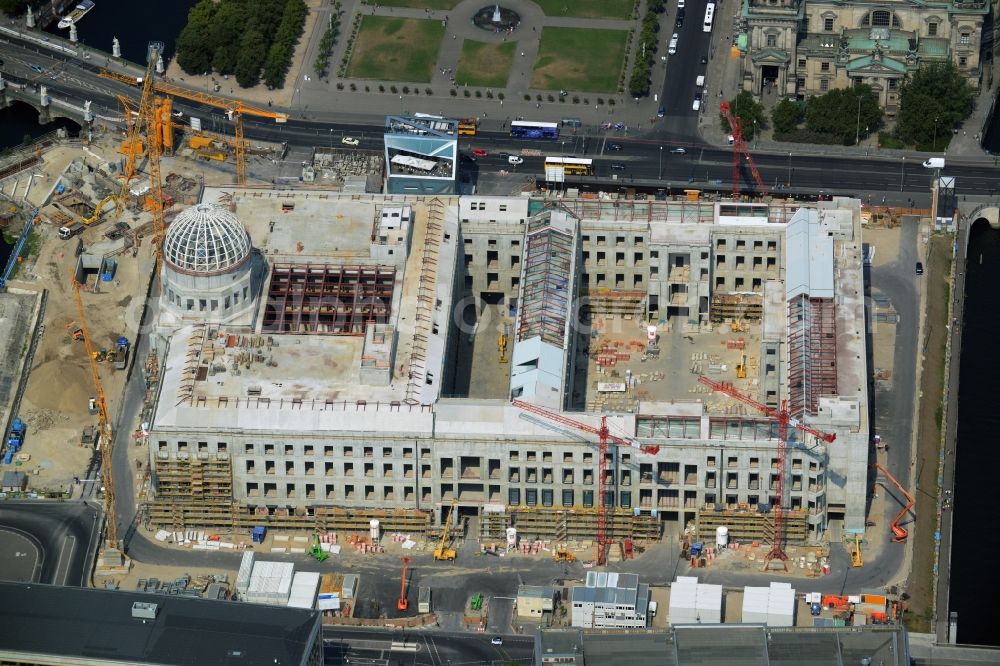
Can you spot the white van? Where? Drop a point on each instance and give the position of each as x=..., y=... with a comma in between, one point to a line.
x=700, y=82
x=672, y=47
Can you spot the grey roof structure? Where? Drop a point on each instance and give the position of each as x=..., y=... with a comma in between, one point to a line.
x=39, y=622
x=206, y=239
x=731, y=645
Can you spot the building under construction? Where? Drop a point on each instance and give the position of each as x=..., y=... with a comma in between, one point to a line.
x=375, y=374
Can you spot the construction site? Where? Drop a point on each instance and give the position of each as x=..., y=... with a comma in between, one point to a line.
x=584, y=371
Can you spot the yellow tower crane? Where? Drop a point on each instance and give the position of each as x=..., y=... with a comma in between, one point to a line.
x=233, y=108
x=443, y=552
x=104, y=428
x=146, y=123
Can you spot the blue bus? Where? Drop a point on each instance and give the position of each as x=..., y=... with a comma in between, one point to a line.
x=522, y=129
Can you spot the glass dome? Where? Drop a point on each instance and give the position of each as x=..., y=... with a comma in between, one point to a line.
x=206, y=239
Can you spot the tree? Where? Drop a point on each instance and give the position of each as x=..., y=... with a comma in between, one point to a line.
x=844, y=113
x=749, y=111
x=935, y=99
x=13, y=6
x=250, y=59
x=787, y=115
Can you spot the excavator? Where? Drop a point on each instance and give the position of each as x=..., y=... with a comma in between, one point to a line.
x=443, y=552
x=741, y=369
x=98, y=211
x=560, y=554
x=856, y=559
x=317, y=551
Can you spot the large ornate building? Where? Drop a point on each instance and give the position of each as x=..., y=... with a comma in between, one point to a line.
x=806, y=48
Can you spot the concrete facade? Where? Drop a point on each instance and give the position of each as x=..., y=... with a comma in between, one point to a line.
x=331, y=438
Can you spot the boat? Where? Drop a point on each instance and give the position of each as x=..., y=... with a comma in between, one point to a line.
x=78, y=13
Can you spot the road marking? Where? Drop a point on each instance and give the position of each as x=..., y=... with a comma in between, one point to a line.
x=63, y=563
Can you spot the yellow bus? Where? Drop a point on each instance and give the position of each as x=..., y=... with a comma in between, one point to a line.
x=468, y=127
x=571, y=166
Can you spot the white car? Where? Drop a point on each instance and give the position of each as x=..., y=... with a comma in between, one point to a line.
x=515, y=160
x=497, y=640
x=696, y=105
x=680, y=4
x=349, y=141
x=672, y=46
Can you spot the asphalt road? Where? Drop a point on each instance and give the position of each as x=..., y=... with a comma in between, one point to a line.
x=372, y=646
x=647, y=160
x=59, y=537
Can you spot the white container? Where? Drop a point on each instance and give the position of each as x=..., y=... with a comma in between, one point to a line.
x=246, y=569
x=721, y=536
x=511, y=536
x=373, y=530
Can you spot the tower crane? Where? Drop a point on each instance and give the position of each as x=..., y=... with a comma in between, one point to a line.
x=401, y=603
x=899, y=533
x=443, y=552
x=784, y=419
x=145, y=123
x=604, y=436
x=740, y=148
x=104, y=427
x=233, y=108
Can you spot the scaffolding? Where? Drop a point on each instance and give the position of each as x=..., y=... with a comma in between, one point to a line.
x=614, y=302
x=179, y=514
x=328, y=300
x=546, y=292
x=426, y=299
x=731, y=307
x=747, y=524
x=812, y=352
x=567, y=523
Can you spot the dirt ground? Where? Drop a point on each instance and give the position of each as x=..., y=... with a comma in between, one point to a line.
x=141, y=571
x=938, y=266
x=260, y=93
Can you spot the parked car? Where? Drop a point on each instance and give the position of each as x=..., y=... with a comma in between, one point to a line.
x=696, y=104
x=497, y=640
x=680, y=4
x=704, y=58
x=679, y=151
x=920, y=268
x=660, y=112
x=479, y=152
x=515, y=160
x=38, y=69
x=617, y=166
x=614, y=146
x=350, y=141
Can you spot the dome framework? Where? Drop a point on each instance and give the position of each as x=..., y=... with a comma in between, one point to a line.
x=206, y=239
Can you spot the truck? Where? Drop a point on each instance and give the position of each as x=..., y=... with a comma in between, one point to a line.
x=424, y=600
x=120, y=355
x=934, y=163
x=71, y=230
x=15, y=439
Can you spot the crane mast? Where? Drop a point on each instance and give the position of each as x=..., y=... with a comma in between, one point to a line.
x=104, y=425
x=234, y=109
x=740, y=148
x=604, y=436
x=784, y=419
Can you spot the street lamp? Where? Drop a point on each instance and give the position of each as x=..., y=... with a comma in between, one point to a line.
x=331, y=140
x=788, y=181
x=660, y=176
x=857, y=128
x=934, y=143
x=902, y=167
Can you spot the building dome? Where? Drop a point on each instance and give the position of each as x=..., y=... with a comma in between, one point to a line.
x=206, y=239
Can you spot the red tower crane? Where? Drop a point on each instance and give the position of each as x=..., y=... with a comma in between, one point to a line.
x=784, y=420
x=402, y=603
x=740, y=148
x=604, y=436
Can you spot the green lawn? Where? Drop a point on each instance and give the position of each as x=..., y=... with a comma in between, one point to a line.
x=614, y=9
x=396, y=49
x=486, y=65
x=579, y=59
x=416, y=4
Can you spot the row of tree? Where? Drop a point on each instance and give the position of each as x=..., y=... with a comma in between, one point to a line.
x=13, y=6
x=932, y=101
x=326, y=44
x=638, y=85
x=244, y=38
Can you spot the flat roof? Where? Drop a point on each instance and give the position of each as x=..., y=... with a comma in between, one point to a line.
x=93, y=624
